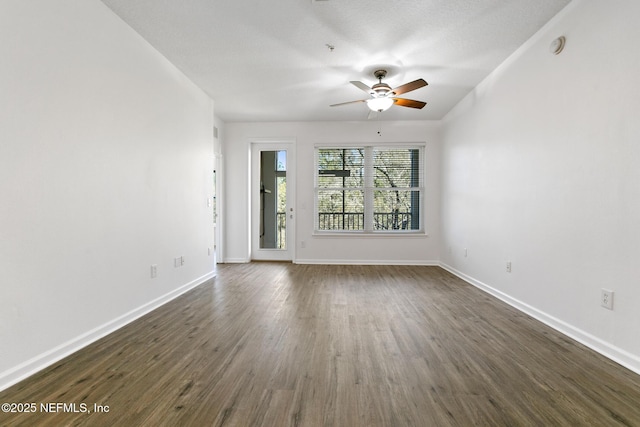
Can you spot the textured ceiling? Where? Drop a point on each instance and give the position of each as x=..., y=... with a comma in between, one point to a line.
x=268, y=60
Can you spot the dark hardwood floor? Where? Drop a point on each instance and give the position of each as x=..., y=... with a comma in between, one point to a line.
x=277, y=344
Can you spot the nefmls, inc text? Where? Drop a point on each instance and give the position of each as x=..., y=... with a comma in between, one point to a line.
x=72, y=407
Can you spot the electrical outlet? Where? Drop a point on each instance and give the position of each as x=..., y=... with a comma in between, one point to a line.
x=606, y=299
x=303, y=244
x=177, y=262
x=508, y=266
x=209, y=251
x=154, y=271
x=181, y=260
x=465, y=252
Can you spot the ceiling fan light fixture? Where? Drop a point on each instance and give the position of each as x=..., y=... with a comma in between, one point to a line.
x=379, y=104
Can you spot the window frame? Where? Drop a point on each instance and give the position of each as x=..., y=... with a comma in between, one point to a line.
x=369, y=190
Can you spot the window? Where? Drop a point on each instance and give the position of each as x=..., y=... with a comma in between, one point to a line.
x=369, y=189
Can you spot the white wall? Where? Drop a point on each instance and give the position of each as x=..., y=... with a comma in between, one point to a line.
x=383, y=250
x=540, y=168
x=105, y=168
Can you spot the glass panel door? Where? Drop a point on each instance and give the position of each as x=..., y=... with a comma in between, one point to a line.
x=273, y=200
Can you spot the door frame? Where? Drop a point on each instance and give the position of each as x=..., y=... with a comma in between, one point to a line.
x=257, y=147
x=218, y=249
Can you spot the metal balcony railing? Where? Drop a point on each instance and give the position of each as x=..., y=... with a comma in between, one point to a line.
x=355, y=221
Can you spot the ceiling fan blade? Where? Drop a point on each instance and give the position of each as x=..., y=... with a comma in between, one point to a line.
x=349, y=102
x=363, y=87
x=408, y=87
x=403, y=102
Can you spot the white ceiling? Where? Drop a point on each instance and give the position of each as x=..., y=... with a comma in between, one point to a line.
x=268, y=60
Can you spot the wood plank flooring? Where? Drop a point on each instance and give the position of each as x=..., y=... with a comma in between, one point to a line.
x=277, y=344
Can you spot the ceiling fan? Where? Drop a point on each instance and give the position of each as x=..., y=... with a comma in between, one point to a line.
x=383, y=97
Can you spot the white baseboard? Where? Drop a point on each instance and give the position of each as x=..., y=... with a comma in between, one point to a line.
x=344, y=262
x=366, y=262
x=38, y=363
x=235, y=261
x=618, y=355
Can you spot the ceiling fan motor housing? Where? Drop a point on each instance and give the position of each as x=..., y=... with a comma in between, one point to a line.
x=381, y=89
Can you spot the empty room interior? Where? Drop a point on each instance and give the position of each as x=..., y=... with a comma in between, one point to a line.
x=319, y=212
